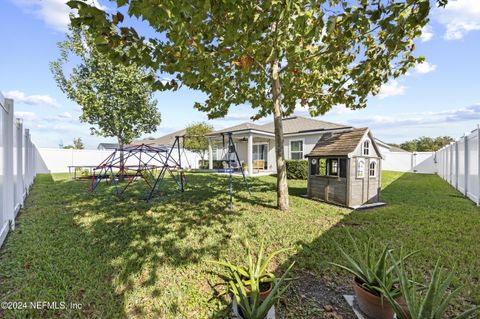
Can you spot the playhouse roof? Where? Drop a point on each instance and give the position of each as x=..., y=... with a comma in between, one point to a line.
x=338, y=144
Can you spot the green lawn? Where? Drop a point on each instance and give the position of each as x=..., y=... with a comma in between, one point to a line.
x=126, y=258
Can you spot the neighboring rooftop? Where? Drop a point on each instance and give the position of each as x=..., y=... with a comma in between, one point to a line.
x=107, y=146
x=160, y=141
x=338, y=144
x=394, y=148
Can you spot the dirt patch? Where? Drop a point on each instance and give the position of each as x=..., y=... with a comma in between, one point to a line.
x=313, y=297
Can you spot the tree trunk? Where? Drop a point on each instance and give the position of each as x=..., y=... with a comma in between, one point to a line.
x=122, y=161
x=282, y=186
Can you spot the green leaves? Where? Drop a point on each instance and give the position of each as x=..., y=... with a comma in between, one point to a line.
x=431, y=303
x=372, y=268
x=244, y=283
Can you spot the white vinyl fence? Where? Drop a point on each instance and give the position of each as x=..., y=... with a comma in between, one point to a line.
x=55, y=160
x=418, y=162
x=17, y=166
x=459, y=164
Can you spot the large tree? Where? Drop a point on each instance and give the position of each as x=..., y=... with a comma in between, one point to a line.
x=275, y=55
x=195, y=141
x=116, y=99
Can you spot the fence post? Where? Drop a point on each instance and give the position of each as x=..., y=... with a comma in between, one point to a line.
x=20, y=181
x=8, y=185
x=456, y=165
x=26, y=166
x=450, y=147
x=465, y=152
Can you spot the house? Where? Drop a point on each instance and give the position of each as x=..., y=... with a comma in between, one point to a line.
x=387, y=148
x=107, y=146
x=255, y=143
x=344, y=168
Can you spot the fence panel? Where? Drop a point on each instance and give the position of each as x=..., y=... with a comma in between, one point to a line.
x=462, y=165
x=16, y=166
x=3, y=217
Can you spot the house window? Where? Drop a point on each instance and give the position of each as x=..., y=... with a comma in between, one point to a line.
x=296, y=150
x=366, y=147
x=361, y=168
x=372, y=169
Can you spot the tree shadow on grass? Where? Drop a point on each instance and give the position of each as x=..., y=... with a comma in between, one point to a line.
x=422, y=213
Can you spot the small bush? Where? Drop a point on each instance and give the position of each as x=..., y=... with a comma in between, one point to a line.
x=297, y=169
x=217, y=164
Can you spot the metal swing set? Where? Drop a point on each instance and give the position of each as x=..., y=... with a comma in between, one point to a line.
x=151, y=164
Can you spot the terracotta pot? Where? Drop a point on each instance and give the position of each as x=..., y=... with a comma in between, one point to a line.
x=372, y=305
x=263, y=294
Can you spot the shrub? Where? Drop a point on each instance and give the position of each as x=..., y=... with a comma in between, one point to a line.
x=217, y=164
x=297, y=169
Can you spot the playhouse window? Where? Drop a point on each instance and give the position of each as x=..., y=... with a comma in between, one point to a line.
x=296, y=150
x=366, y=147
x=361, y=168
x=372, y=170
x=330, y=167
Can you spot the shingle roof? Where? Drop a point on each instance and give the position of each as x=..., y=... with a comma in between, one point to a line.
x=241, y=127
x=294, y=124
x=338, y=144
x=394, y=148
x=299, y=124
x=168, y=139
x=108, y=145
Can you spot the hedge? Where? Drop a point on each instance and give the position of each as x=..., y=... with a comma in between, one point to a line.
x=297, y=169
x=217, y=164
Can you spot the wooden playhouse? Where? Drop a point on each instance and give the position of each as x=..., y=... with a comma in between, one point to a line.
x=344, y=169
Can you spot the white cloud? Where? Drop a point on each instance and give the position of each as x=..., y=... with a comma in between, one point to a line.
x=427, y=33
x=54, y=13
x=425, y=67
x=339, y=109
x=26, y=116
x=21, y=97
x=462, y=114
x=65, y=115
x=459, y=17
x=392, y=88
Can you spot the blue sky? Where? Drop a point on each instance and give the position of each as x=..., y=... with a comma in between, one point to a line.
x=440, y=97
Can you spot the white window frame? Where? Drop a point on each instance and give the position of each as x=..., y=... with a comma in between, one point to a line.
x=366, y=148
x=374, y=162
x=360, y=172
x=302, y=151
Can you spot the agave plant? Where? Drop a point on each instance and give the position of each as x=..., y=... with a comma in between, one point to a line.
x=244, y=283
x=258, y=270
x=373, y=270
x=429, y=303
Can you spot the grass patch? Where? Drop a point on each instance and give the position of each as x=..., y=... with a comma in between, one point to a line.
x=126, y=258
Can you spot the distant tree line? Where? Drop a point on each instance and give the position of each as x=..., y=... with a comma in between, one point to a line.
x=425, y=144
x=77, y=144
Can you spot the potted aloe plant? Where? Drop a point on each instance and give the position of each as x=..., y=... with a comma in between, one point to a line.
x=373, y=274
x=255, y=290
x=421, y=303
